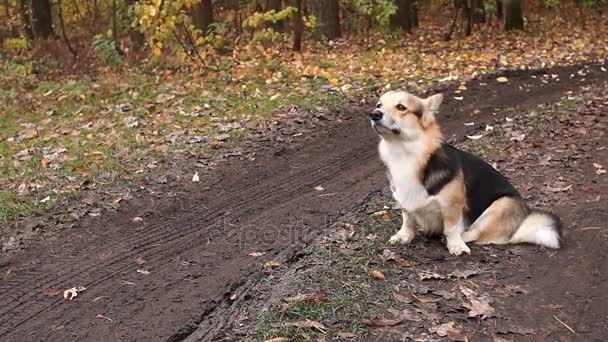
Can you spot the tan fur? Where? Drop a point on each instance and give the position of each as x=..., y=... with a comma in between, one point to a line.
x=454, y=194
x=498, y=222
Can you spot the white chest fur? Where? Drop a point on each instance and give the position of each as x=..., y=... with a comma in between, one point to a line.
x=402, y=160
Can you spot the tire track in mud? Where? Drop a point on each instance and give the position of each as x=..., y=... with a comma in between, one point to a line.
x=261, y=198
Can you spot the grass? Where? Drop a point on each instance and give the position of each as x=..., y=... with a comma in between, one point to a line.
x=353, y=294
x=103, y=129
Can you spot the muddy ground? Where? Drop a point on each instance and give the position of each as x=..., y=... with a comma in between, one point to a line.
x=186, y=269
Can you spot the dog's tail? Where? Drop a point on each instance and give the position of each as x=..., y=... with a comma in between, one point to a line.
x=539, y=228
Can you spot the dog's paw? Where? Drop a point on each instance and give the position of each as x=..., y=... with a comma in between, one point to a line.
x=457, y=248
x=401, y=237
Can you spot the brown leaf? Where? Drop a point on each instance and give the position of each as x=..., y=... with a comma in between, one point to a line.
x=318, y=296
x=344, y=225
x=401, y=298
x=447, y=295
x=278, y=339
x=377, y=274
x=140, y=261
x=386, y=217
x=270, y=265
x=428, y=298
x=306, y=324
x=52, y=292
x=446, y=329
x=28, y=133
x=387, y=322
x=463, y=274
x=424, y=275
x=346, y=335
x=480, y=308
x=387, y=255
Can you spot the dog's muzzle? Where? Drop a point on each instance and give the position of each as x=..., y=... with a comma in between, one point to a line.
x=376, y=115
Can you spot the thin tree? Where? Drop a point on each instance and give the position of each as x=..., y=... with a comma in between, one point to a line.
x=298, y=26
x=406, y=16
x=327, y=13
x=513, y=15
x=202, y=15
x=42, y=20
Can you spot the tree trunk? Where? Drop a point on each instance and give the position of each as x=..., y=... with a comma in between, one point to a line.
x=276, y=6
x=513, y=16
x=42, y=20
x=479, y=14
x=406, y=16
x=202, y=15
x=298, y=26
x=135, y=36
x=327, y=13
x=499, y=9
x=24, y=13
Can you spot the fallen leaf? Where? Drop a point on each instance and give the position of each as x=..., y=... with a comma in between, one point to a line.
x=144, y=272
x=388, y=322
x=475, y=137
x=479, y=308
x=428, y=298
x=502, y=79
x=346, y=335
x=195, y=178
x=425, y=275
x=306, y=324
x=137, y=219
x=386, y=217
x=401, y=298
x=319, y=188
x=388, y=255
x=463, y=274
x=270, y=265
x=344, y=225
x=256, y=254
x=318, y=296
x=445, y=329
x=278, y=339
x=447, y=295
x=28, y=133
x=458, y=98
x=52, y=292
x=140, y=261
x=377, y=274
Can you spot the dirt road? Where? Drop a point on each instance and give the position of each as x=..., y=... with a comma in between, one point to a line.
x=160, y=278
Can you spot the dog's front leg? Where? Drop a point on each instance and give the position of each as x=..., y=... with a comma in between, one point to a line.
x=407, y=232
x=453, y=229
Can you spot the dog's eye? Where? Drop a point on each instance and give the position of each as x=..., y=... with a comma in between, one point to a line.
x=401, y=107
x=378, y=105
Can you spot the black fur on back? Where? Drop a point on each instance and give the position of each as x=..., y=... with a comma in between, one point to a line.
x=483, y=183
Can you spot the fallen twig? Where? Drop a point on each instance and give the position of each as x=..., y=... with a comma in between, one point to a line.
x=592, y=228
x=566, y=325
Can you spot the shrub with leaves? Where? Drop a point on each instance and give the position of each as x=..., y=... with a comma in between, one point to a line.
x=106, y=49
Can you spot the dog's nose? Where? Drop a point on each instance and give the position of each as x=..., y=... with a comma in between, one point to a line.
x=375, y=115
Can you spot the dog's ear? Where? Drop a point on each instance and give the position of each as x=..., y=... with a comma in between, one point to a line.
x=432, y=103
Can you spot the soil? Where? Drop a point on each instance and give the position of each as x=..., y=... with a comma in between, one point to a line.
x=176, y=273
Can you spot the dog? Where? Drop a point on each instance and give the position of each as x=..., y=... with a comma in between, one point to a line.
x=443, y=190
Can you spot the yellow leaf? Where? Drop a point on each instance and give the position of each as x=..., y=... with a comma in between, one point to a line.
x=502, y=79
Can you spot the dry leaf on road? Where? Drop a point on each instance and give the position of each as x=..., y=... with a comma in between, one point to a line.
x=480, y=308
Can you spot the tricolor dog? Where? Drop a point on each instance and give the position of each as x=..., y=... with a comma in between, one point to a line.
x=444, y=190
